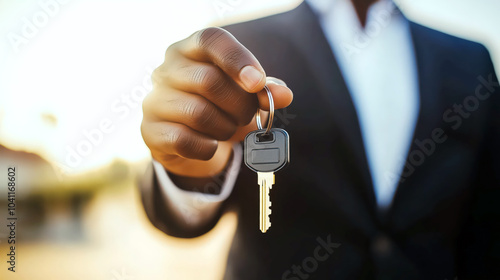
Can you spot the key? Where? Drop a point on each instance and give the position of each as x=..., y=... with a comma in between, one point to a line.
x=266, y=154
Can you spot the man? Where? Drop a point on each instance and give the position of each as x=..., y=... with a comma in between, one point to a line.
x=395, y=160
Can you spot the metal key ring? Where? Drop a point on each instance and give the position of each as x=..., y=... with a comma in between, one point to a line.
x=271, y=112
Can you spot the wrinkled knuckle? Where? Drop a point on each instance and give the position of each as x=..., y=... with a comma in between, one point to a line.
x=178, y=139
x=233, y=56
x=209, y=36
x=182, y=146
x=194, y=111
x=202, y=113
x=207, y=79
x=188, y=108
x=188, y=146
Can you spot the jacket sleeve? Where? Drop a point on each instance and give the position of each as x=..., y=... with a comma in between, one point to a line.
x=182, y=213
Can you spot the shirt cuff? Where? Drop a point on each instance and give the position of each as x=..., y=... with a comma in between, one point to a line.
x=194, y=208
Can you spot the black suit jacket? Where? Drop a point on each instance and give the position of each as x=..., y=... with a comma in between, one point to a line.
x=444, y=222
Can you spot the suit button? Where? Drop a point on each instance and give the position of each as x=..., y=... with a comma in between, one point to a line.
x=381, y=246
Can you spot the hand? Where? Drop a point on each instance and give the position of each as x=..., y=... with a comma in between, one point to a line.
x=204, y=98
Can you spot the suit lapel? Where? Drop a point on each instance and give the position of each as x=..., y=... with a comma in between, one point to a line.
x=429, y=117
x=429, y=114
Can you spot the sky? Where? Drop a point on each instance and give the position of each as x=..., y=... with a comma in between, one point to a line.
x=73, y=73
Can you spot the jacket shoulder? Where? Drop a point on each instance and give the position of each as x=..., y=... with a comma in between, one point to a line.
x=463, y=53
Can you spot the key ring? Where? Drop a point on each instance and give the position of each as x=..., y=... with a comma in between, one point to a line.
x=271, y=112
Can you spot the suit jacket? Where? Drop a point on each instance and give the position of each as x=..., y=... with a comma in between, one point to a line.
x=444, y=220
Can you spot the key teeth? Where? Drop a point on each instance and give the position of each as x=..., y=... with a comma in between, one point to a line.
x=269, y=216
x=266, y=181
x=268, y=210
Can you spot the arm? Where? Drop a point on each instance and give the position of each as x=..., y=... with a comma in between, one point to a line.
x=203, y=102
x=187, y=213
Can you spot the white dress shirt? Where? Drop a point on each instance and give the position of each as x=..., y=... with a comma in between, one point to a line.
x=378, y=65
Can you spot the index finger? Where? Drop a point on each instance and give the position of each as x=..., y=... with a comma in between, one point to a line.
x=221, y=48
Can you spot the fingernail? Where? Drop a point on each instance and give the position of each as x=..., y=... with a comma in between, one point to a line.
x=250, y=77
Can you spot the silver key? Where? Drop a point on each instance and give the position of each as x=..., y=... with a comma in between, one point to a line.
x=265, y=152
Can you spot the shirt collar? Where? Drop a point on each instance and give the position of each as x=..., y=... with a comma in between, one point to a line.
x=324, y=7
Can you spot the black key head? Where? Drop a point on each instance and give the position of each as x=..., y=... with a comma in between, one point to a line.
x=267, y=152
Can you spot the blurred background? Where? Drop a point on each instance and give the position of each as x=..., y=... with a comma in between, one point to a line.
x=73, y=74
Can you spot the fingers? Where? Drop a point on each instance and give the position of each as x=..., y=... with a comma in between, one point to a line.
x=202, y=94
x=168, y=138
x=209, y=81
x=217, y=46
x=212, y=83
x=191, y=110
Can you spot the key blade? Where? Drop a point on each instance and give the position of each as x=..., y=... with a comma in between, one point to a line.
x=263, y=219
x=266, y=181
